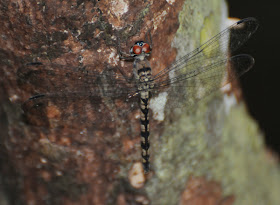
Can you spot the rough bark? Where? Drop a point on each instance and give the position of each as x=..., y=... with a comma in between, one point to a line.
x=210, y=155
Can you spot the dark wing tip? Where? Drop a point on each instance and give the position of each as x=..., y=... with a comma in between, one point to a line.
x=242, y=63
x=37, y=96
x=31, y=102
x=34, y=63
x=250, y=21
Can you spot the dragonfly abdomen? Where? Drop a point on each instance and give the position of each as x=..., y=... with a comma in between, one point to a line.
x=144, y=119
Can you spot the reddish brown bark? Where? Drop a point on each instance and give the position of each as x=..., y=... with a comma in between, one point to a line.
x=199, y=191
x=43, y=160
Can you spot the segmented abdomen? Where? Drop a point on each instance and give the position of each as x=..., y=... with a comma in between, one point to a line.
x=144, y=118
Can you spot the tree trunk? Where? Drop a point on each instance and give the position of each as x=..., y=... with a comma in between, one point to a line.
x=81, y=149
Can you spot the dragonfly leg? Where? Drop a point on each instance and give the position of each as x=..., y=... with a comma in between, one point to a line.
x=148, y=38
x=123, y=55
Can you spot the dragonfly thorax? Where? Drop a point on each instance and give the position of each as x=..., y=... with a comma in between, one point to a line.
x=145, y=79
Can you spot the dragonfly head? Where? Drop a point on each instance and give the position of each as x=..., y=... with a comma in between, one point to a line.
x=140, y=48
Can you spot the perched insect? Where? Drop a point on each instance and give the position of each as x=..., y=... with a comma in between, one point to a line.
x=206, y=65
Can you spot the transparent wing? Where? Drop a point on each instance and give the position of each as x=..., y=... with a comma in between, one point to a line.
x=188, y=90
x=217, y=48
x=65, y=95
x=55, y=78
x=201, y=72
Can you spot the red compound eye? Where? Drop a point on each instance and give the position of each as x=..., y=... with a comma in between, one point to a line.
x=146, y=48
x=137, y=49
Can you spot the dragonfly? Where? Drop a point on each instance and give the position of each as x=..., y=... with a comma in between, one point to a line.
x=204, y=68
